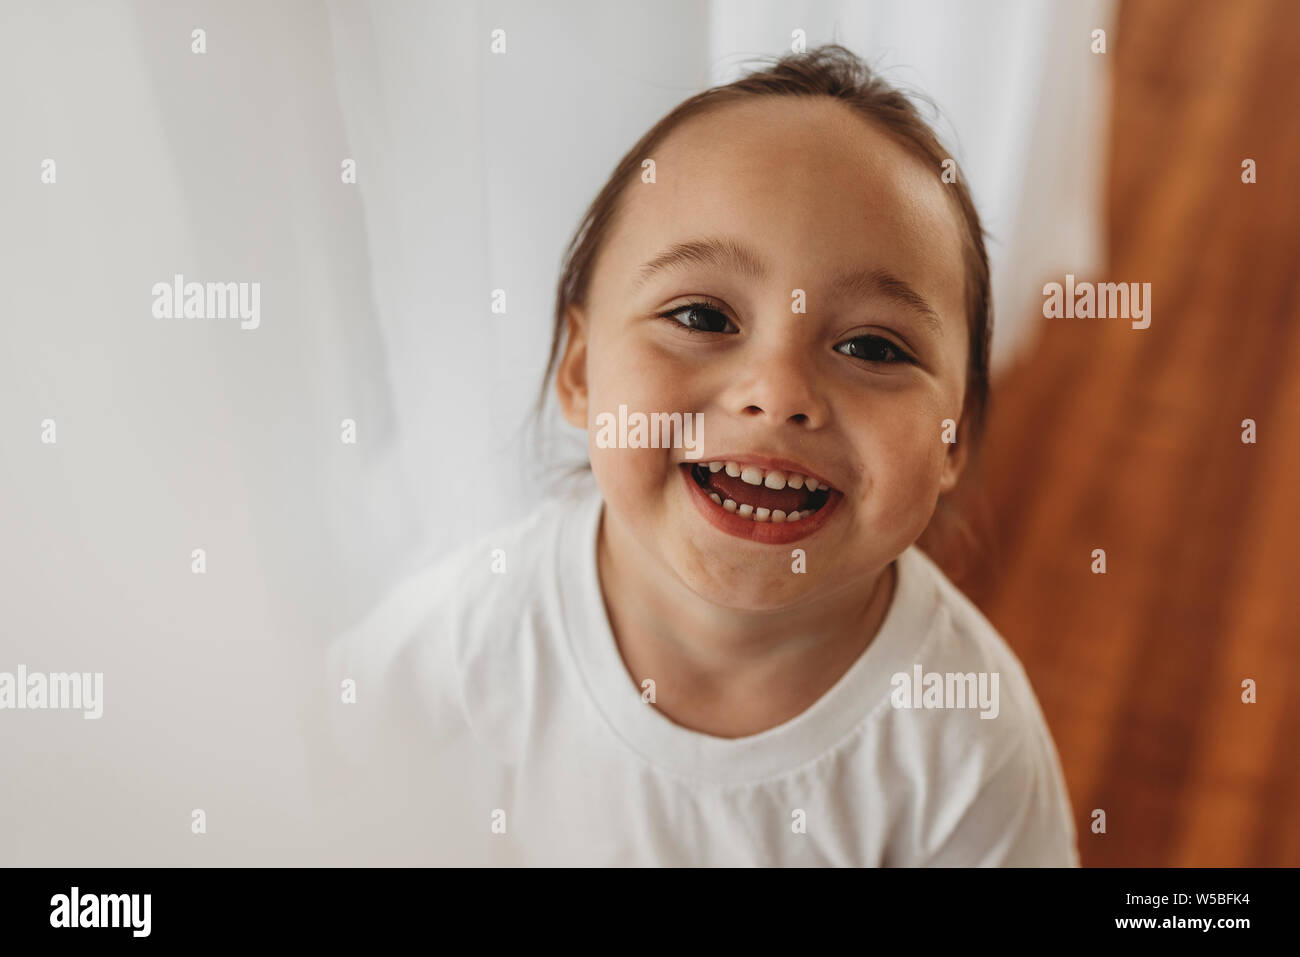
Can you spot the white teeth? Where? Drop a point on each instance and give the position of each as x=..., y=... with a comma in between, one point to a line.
x=772, y=478
x=760, y=514
x=717, y=499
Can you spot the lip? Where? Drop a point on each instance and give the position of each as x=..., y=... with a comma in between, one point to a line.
x=764, y=533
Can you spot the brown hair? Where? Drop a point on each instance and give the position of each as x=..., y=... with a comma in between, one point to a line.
x=833, y=71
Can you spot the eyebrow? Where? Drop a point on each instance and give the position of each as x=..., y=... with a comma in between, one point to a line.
x=732, y=255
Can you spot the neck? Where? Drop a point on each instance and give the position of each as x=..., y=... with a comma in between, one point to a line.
x=724, y=671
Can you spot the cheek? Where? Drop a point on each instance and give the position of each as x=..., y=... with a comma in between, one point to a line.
x=623, y=372
x=624, y=369
x=631, y=480
x=902, y=456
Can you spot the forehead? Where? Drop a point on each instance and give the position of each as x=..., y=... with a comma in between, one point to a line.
x=810, y=184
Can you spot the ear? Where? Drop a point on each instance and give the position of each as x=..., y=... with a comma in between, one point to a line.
x=571, y=375
x=955, y=457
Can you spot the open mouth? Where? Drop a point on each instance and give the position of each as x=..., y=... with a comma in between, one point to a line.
x=761, y=495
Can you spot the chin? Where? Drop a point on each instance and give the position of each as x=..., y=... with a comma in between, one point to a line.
x=763, y=592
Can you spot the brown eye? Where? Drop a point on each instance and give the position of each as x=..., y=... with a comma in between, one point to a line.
x=701, y=317
x=873, y=349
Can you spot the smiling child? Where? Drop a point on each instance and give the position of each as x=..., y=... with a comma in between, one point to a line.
x=707, y=656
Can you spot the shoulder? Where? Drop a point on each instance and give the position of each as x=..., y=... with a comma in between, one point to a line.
x=961, y=640
x=455, y=610
x=974, y=736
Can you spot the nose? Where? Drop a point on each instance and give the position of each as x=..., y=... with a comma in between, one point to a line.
x=780, y=383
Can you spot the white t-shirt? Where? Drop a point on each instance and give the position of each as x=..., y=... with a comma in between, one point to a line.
x=495, y=723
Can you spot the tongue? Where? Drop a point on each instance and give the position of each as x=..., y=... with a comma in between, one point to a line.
x=760, y=496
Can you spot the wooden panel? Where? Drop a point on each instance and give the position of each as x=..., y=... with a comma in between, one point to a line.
x=1130, y=440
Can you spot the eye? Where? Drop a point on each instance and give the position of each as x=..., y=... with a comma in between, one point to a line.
x=700, y=317
x=874, y=349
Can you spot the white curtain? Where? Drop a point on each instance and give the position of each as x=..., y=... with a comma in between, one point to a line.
x=472, y=172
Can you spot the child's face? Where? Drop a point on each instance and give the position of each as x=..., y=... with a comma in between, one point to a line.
x=853, y=390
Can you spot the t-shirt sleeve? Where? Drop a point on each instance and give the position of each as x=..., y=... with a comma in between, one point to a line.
x=404, y=680
x=1019, y=816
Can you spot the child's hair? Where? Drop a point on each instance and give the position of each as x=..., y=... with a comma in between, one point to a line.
x=830, y=70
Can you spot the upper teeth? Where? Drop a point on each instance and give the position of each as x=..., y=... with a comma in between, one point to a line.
x=772, y=478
